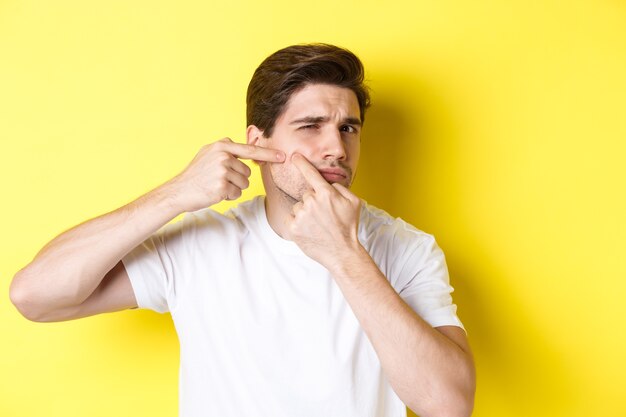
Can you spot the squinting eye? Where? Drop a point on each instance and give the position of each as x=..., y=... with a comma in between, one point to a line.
x=308, y=127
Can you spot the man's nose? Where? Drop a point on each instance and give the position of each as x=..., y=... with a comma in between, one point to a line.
x=333, y=145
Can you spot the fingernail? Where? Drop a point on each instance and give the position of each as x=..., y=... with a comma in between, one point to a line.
x=280, y=156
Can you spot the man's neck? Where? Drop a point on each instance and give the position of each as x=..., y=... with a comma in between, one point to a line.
x=278, y=210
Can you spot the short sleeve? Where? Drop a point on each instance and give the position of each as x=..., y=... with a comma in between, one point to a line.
x=154, y=267
x=428, y=290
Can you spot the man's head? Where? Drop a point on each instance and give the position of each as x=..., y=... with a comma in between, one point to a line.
x=291, y=69
x=309, y=99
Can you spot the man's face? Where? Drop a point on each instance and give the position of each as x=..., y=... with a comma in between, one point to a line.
x=321, y=122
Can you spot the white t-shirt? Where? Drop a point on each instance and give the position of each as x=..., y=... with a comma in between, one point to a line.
x=264, y=330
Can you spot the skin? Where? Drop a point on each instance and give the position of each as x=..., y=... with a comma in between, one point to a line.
x=79, y=273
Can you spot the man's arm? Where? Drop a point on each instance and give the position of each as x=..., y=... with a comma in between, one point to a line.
x=431, y=370
x=79, y=273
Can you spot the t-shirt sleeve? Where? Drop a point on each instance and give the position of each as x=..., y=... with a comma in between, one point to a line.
x=154, y=267
x=426, y=284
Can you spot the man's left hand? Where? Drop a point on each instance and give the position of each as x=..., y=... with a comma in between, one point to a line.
x=325, y=223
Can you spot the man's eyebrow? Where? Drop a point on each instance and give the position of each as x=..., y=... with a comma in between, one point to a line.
x=352, y=121
x=323, y=119
x=309, y=119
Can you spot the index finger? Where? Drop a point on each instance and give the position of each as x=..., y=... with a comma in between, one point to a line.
x=257, y=153
x=309, y=172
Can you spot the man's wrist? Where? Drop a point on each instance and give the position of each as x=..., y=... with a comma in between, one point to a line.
x=347, y=261
x=165, y=197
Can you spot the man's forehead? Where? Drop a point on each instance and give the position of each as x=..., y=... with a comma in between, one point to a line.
x=322, y=101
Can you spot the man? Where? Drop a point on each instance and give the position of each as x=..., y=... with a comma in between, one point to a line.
x=305, y=302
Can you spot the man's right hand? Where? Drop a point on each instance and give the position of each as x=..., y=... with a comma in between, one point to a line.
x=217, y=174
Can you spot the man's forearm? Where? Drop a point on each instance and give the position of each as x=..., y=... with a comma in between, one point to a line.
x=428, y=371
x=70, y=267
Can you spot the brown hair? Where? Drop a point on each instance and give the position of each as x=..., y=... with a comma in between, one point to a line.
x=291, y=69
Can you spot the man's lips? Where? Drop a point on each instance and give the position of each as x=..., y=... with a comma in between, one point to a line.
x=333, y=174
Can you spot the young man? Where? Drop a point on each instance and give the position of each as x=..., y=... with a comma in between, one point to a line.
x=305, y=302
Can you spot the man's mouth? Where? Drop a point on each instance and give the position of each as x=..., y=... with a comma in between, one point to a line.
x=333, y=174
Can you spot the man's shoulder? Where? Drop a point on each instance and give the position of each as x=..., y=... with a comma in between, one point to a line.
x=235, y=219
x=379, y=223
x=241, y=212
x=248, y=209
x=397, y=247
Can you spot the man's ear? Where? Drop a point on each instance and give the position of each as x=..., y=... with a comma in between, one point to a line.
x=254, y=135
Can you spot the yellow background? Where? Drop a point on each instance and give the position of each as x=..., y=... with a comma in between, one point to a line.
x=498, y=126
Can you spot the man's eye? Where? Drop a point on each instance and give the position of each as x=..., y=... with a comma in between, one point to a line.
x=348, y=128
x=308, y=127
